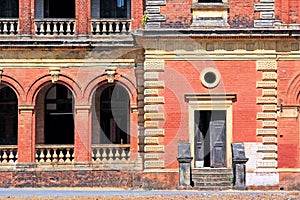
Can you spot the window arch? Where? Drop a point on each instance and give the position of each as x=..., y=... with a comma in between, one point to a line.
x=8, y=116
x=111, y=116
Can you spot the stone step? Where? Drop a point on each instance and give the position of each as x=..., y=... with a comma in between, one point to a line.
x=215, y=188
x=213, y=183
x=212, y=178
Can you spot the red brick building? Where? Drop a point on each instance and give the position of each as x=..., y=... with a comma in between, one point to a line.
x=100, y=93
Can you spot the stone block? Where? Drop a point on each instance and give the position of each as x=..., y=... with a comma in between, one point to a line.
x=154, y=100
x=154, y=116
x=266, y=84
x=158, y=164
x=154, y=65
x=266, y=131
x=154, y=132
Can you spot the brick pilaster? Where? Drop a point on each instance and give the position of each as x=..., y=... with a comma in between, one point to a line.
x=82, y=16
x=25, y=22
x=83, y=133
x=26, y=137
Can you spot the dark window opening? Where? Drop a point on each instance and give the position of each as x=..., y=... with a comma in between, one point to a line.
x=55, y=9
x=9, y=8
x=110, y=9
x=113, y=116
x=8, y=116
x=59, y=118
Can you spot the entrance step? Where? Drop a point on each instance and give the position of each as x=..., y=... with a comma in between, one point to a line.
x=212, y=178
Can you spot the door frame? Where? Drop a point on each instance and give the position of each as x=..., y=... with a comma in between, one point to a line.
x=211, y=102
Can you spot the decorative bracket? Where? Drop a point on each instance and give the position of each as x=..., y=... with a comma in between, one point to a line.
x=1, y=72
x=54, y=72
x=110, y=74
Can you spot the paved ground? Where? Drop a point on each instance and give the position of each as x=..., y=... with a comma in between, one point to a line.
x=114, y=194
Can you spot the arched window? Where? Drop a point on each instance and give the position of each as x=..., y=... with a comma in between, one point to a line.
x=9, y=8
x=112, y=113
x=8, y=116
x=59, y=121
x=110, y=9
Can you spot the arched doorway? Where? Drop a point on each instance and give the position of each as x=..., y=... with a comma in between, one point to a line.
x=111, y=117
x=8, y=116
x=59, y=119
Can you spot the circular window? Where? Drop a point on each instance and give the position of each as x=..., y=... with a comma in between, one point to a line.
x=210, y=77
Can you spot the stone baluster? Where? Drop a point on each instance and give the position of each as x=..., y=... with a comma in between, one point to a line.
x=48, y=156
x=110, y=30
x=11, y=156
x=11, y=28
x=123, y=27
x=123, y=154
x=48, y=29
x=61, y=156
x=68, y=28
x=118, y=24
x=5, y=30
x=104, y=28
x=98, y=31
x=42, y=28
x=4, y=157
x=110, y=155
x=98, y=155
x=42, y=156
x=54, y=155
x=61, y=28
x=104, y=155
x=55, y=25
x=117, y=154
x=68, y=156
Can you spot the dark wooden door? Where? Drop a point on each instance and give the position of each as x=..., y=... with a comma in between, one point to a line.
x=217, y=129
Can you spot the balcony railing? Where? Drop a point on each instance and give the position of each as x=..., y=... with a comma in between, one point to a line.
x=110, y=26
x=54, y=26
x=8, y=154
x=9, y=26
x=53, y=154
x=111, y=152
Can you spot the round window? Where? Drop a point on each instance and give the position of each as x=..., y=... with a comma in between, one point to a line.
x=210, y=77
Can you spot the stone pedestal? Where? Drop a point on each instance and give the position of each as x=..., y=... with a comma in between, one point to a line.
x=184, y=158
x=239, y=166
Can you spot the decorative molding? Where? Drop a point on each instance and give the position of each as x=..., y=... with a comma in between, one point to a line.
x=54, y=72
x=110, y=74
x=210, y=97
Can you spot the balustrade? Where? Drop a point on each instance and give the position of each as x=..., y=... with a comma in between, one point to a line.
x=113, y=152
x=110, y=26
x=54, y=154
x=54, y=26
x=8, y=154
x=9, y=26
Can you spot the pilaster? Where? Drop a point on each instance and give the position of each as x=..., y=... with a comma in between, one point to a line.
x=153, y=115
x=268, y=114
x=26, y=137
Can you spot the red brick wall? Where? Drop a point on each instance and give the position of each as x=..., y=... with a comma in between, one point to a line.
x=178, y=13
x=241, y=14
x=287, y=11
x=238, y=77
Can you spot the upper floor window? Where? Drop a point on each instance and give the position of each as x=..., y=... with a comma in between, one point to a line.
x=54, y=9
x=110, y=9
x=9, y=8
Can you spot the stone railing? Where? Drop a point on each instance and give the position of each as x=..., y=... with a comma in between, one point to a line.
x=54, y=154
x=8, y=154
x=110, y=26
x=111, y=152
x=54, y=26
x=9, y=26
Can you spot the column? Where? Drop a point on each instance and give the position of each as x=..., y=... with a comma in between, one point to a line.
x=25, y=22
x=83, y=136
x=153, y=106
x=82, y=16
x=26, y=137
